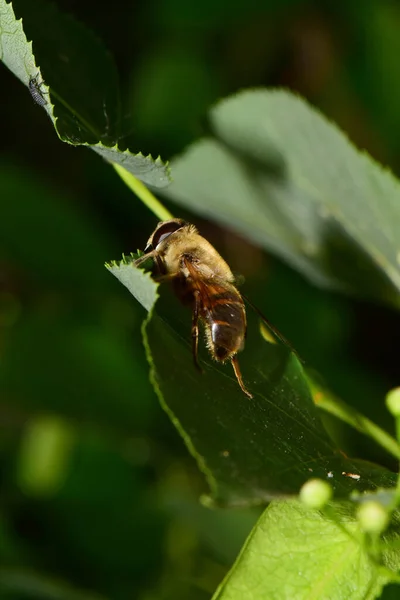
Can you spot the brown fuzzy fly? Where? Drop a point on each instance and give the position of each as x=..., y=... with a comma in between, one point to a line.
x=203, y=280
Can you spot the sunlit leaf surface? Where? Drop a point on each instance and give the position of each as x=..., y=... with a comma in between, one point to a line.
x=296, y=552
x=278, y=172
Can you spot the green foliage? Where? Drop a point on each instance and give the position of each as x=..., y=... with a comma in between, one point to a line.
x=77, y=79
x=297, y=552
x=288, y=180
x=99, y=499
x=140, y=284
x=250, y=451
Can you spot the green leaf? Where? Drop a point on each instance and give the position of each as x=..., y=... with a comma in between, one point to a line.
x=296, y=552
x=15, y=50
x=150, y=171
x=139, y=283
x=327, y=401
x=77, y=79
x=287, y=179
x=249, y=450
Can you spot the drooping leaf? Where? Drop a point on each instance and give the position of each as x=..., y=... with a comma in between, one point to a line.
x=76, y=77
x=150, y=171
x=296, y=552
x=249, y=450
x=278, y=172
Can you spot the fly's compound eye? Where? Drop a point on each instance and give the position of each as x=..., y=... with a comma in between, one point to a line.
x=165, y=230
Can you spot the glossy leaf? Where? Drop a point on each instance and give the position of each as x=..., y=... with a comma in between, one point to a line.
x=249, y=450
x=279, y=173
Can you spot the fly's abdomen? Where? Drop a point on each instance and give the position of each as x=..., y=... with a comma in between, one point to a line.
x=226, y=322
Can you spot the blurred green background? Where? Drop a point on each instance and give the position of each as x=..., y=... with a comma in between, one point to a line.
x=98, y=496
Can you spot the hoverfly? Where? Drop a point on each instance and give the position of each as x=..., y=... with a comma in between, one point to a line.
x=202, y=280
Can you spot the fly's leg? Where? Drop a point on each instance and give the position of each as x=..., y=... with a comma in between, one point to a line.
x=164, y=278
x=142, y=259
x=236, y=368
x=195, y=329
x=158, y=269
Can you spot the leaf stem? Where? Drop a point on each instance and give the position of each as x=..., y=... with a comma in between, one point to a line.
x=398, y=474
x=143, y=193
x=352, y=417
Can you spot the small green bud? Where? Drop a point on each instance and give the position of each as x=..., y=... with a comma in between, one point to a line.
x=373, y=517
x=315, y=493
x=393, y=401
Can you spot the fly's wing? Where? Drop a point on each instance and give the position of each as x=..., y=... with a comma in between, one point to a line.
x=212, y=289
x=220, y=301
x=222, y=309
x=272, y=329
x=209, y=289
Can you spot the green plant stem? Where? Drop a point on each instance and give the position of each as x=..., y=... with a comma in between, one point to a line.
x=352, y=417
x=143, y=193
x=398, y=475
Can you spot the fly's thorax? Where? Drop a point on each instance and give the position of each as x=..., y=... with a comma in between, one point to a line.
x=186, y=245
x=209, y=262
x=176, y=245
